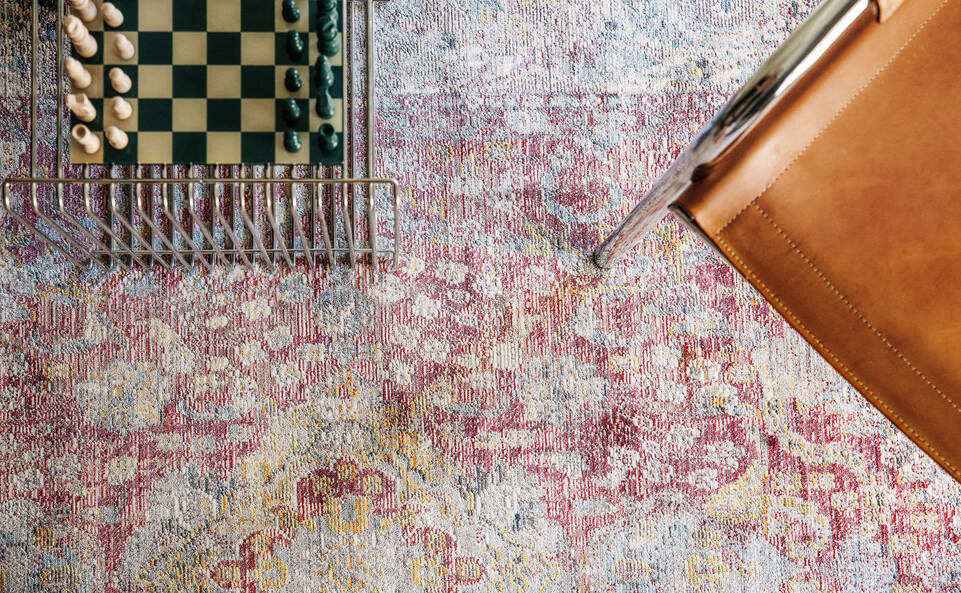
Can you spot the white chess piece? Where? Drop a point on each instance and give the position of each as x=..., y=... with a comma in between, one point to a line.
x=119, y=80
x=116, y=137
x=79, y=76
x=85, y=8
x=111, y=14
x=81, y=106
x=82, y=39
x=124, y=48
x=121, y=108
x=88, y=141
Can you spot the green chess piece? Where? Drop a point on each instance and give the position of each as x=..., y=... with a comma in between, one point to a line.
x=325, y=105
x=328, y=6
x=324, y=73
x=329, y=48
x=295, y=45
x=328, y=138
x=327, y=26
x=292, y=141
x=291, y=111
x=291, y=11
x=292, y=80
x=327, y=41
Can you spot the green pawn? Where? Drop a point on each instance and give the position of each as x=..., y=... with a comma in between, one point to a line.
x=328, y=138
x=295, y=45
x=292, y=141
x=328, y=6
x=291, y=11
x=325, y=105
x=292, y=80
x=324, y=73
x=291, y=112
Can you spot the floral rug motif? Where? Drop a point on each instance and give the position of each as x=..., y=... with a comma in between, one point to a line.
x=493, y=415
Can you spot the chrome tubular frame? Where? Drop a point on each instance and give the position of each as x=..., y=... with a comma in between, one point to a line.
x=796, y=57
x=137, y=249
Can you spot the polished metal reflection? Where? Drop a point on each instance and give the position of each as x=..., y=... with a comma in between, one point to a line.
x=795, y=58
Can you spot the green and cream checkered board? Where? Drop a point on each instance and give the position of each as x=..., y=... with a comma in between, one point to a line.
x=208, y=84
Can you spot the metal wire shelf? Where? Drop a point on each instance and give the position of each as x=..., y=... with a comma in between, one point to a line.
x=167, y=216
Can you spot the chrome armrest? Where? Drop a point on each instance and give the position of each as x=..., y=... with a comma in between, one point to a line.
x=792, y=60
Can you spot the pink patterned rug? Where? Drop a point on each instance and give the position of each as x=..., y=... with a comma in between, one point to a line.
x=495, y=414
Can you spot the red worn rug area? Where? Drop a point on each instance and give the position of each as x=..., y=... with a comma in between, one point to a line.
x=495, y=414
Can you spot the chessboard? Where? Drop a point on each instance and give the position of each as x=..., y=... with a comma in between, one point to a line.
x=210, y=82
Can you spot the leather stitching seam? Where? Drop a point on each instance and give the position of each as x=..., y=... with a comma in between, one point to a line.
x=875, y=397
x=856, y=312
x=837, y=114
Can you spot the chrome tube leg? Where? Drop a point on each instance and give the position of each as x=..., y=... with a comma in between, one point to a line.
x=371, y=132
x=628, y=234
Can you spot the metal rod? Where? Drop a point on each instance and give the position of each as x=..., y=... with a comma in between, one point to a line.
x=134, y=233
x=30, y=225
x=175, y=223
x=35, y=202
x=236, y=247
x=148, y=220
x=189, y=223
x=115, y=241
x=312, y=205
x=83, y=230
x=215, y=248
x=272, y=219
x=295, y=216
x=348, y=225
x=255, y=234
x=319, y=211
x=371, y=132
x=268, y=202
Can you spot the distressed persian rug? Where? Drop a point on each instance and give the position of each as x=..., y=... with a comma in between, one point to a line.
x=493, y=415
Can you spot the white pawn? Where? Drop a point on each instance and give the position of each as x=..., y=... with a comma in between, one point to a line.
x=82, y=39
x=79, y=76
x=81, y=106
x=85, y=8
x=116, y=137
x=111, y=14
x=87, y=140
x=121, y=108
x=119, y=80
x=124, y=48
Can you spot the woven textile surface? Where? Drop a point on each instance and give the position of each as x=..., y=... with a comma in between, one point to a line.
x=495, y=414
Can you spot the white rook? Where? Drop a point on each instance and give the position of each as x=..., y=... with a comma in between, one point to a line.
x=80, y=37
x=87, y=140
x=124, y=48
x=119, y=80
x=81, y=106
x=79, y=76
